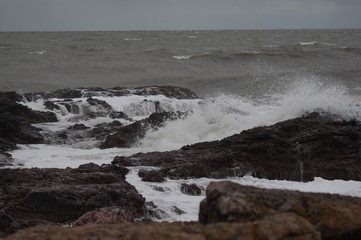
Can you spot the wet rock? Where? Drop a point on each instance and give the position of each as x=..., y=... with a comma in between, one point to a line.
x=122, y=161
x=177, y=210
x=334, y=216
x=283, y=226
x=97, y=102
x=128, y=135
x=63, y=195
x=118, y=115
x=16, y=120
x=299, y=149
x=10, y=97
x=168, y=91
x=51, y=106
x=5, y=159
x=60, y=94
x=151, y=176
x=78, y=126
x=191, y=189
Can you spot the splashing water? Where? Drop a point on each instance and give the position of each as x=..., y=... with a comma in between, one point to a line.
x=225, y=115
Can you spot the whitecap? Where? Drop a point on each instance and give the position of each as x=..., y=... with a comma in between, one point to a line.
x=182, y=57
x=41, y=52
x=307, y=43
x=132, y=39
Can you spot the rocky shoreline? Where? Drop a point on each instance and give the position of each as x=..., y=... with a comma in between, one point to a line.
x=314, y=145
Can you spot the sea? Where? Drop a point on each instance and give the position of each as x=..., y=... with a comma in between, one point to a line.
x=244, y=79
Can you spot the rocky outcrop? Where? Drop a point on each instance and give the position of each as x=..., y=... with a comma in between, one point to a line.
x=16, y=120
x=128, y=135
x=168, y=91
x=5, y=159
x=284, y=226
x=299, y=149
x=334, y=216
x=32, y=196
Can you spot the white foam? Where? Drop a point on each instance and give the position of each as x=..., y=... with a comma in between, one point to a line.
x=307, y=43
x=172, y=196
x=225, y=115
x=192, y=37
x=132, y=39
x=41, y=52
x=182, y=57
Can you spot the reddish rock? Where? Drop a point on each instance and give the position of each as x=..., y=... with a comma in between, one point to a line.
x=334, y=216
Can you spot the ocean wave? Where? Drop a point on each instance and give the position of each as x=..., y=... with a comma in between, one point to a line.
x=41, y=52
x=182, y=57
x=307, y=43
x=222, y=116
x=132, y=39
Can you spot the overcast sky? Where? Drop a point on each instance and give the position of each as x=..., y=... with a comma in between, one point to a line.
x=70, y=15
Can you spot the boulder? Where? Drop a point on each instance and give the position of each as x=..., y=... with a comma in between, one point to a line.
x=280, y=227
x=334, y=216
x=314, y=145
x=151, y=176
x=191, y=189
x=61, y=196
x=5, y=159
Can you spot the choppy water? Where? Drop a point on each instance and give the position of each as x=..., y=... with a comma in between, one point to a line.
x=244, y=79
x=237, y=62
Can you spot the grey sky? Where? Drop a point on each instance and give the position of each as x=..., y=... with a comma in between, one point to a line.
x=68, y=15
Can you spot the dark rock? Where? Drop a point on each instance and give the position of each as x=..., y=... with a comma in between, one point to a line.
x=15, y=120
x=5, y=159
x=128, y=135
x=10, y=97
x=122, y=161
x=168, y=91
x=280, y=227
x=63, y=195
x=336, y=217
x=177, y=210
x=298, y=149
x=118, y=115
x=97, y=102
x=61, y=94
x=151, y=176
x=191, y=189
x=51, y=106
x=78, y=127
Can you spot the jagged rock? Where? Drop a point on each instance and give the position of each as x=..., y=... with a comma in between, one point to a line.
x=298, y=149
x=128, y=135
x=280, y=227
x=191, y=189
x=15, y=120
x=5, y=159
x=97, y=102
x=335, y=216
x=168, y=91
x=177, y=210
x=78, y=127
x=51, y=106
x=63, y=195
x=151, y=176
x=60, y=94
x=122, y=161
